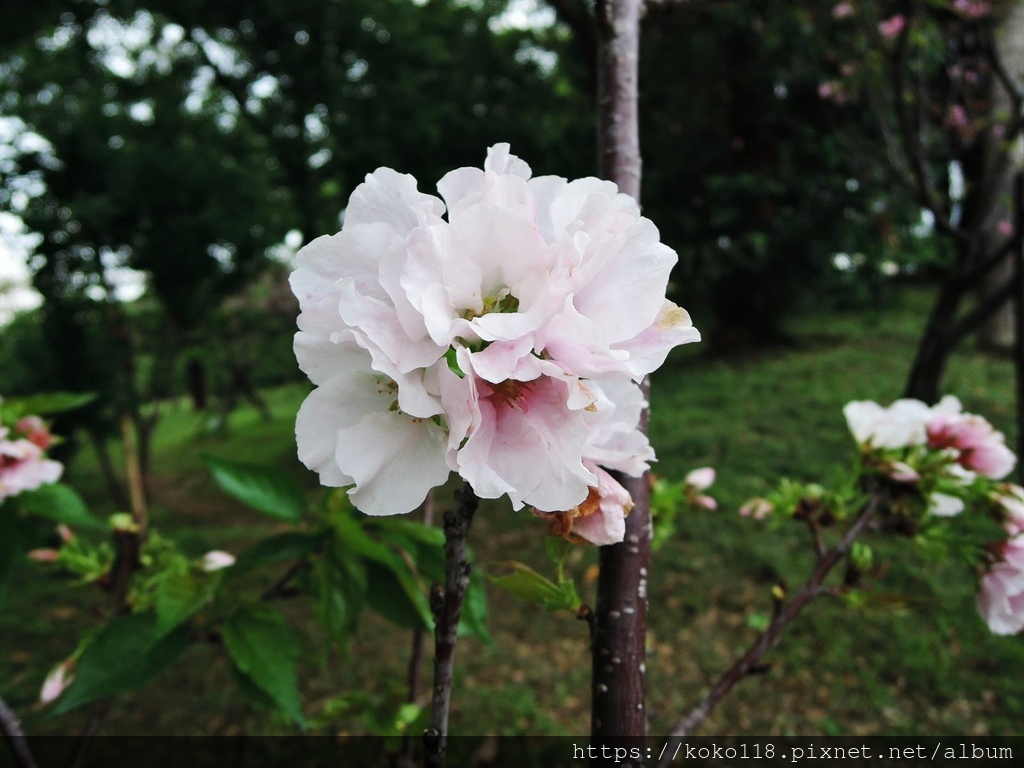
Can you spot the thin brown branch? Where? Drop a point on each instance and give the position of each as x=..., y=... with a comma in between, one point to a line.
x=10, y=726
x=446, y=605
x=786, y=611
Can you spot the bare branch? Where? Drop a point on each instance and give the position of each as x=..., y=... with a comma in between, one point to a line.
x=10, y=726
x=785, y=613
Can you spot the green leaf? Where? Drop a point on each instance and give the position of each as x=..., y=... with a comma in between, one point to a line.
x=386, y=595
x=265, y=489
x=342, y=591
x=352, y=535
x=49, y=403
x=473, y=621
x=526, y=584
x=283, y=547
x=60, y=503
x=264, y=649
x=180, y=594
x=127, y=653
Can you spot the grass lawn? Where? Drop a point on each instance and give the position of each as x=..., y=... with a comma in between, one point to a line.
x=929, y=668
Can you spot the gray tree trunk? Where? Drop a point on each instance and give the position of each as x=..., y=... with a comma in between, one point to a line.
x=1000, y=164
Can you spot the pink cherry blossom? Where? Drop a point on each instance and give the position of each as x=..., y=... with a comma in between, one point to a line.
x=1001, y=598
x=23, y=467
x=980, y=448
x=498, y=334
x=842, y=10
x=899, y=425
x=34, y=429
x=892, y=27
x=1004, y=227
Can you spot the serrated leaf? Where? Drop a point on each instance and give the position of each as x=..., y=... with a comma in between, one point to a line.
x=179, y=595
x=342, y=594
x=526, y=584
x=283, y=547
x=264, y=649
x=265, y=489
x=60, y=503
x=127, y=653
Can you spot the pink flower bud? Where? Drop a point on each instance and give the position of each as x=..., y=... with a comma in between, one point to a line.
x=57, y=682
x=35, y=431
x=44, y=555
x=902, y=472
x=65, y=533
x=215, y=560
x=1005, y=228
x=700, y=478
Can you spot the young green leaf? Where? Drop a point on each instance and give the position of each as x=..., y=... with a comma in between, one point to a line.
x=526, y=584
x=265, y=489
x=127, y=653
x=62, y=504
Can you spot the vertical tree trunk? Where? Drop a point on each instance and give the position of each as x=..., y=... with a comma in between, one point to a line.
x=996, y=187
x=620, y=620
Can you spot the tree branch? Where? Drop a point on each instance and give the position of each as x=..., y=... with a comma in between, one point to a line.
x=446, y=605
x=785, y=613
x=15, y=737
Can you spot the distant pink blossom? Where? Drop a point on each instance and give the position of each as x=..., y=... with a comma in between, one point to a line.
x=1005, y=228
x=216, y=560
x=972, y=9
x=892, y=27
x=758, y=508
x=842, y=10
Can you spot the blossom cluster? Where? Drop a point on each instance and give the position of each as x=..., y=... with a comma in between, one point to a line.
x=499, y=332
x=23, y=465
x=908, y=435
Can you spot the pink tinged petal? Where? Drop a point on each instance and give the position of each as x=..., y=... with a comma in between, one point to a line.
x=23, y=468
x=377, y=321
x=607, y=525
x=323, y=263
x=44, y=555
x=625, y=282
x=1001, y=599
x=525, y=442
x=394, y=459
x=391, y=198
x=500, y=160
x=944, y=505
x=700, y=478
x=706, y=502
x=578, y=344
x=993, y=460
x=758, y=508
x=615, y=440
x=648, y=350
x=903, y=473
x=503, y=360
x=899, y=425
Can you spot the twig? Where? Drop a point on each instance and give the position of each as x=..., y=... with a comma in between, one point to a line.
x=15, y=737
x=446, y=605
x=786, y=612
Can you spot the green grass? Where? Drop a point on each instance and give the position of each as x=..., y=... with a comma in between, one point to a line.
x=929, y=669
